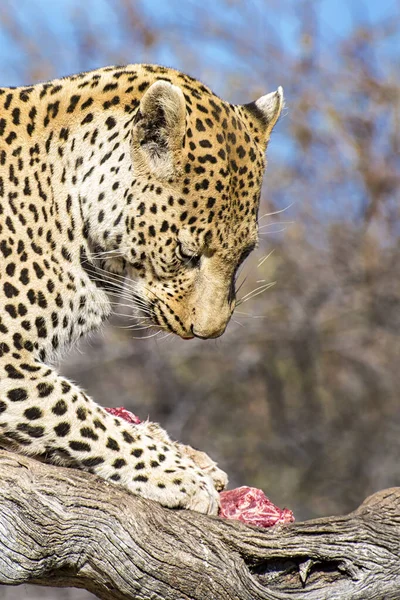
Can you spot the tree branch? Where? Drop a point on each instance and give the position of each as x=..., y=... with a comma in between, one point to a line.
x=62, y=527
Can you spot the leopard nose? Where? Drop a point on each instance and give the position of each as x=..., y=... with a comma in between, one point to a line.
x=208, y=333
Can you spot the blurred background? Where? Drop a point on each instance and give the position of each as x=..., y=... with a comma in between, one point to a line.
x=300, y=396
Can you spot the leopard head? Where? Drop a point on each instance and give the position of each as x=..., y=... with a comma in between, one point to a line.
x=190, y=218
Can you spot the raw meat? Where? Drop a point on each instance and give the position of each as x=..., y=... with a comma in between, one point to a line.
x=124, y=414
x=246, y=504
x=251, y=506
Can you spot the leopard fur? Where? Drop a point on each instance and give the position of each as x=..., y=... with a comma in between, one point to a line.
x=132, y=180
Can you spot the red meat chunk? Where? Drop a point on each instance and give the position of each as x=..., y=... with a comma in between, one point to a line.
x=124, y=414
x=252, y=506
x=245, y=504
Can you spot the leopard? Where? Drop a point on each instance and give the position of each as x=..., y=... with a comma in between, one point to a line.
x=129, y=180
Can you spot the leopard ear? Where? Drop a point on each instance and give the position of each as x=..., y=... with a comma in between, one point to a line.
x=267, y=110
x=159, y=129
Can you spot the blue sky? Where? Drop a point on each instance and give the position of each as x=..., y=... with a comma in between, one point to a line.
x=48, y=42
x=38, y=18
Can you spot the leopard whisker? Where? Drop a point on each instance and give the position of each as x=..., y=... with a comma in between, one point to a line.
x=271, y=232
x=238, y=322
x=276, y=212
x=148, y=337
x=241, y=285
x=262, y=261
x=254, y=290
x=255, y=293
x=275, y=223
x=242, y=314
x=127, y=283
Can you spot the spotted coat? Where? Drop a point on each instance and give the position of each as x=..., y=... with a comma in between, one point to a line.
x=134, y=181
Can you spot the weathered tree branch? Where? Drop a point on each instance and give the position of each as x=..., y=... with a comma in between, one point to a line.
x=62, y=527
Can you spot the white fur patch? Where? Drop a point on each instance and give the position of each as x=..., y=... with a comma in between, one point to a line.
x=271, y=105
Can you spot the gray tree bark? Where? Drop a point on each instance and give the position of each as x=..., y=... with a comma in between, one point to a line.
x=64, y=528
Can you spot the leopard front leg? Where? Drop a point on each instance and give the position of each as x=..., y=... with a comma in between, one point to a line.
x=201, y=459
x=42, y=413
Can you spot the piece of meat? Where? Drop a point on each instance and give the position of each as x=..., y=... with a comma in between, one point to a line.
x=120, y=411
x=251, y=506
x=246, y=504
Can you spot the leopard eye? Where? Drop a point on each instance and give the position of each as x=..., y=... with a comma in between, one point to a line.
x=190, y=260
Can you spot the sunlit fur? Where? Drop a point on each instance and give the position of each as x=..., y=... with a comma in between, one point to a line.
x=134, y=183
